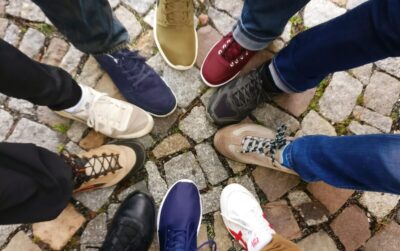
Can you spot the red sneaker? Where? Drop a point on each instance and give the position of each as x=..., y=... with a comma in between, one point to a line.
x=224, y=61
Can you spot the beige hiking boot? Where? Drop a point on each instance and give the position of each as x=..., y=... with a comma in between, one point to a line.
x=252, y=144
x=175, y=34
x=111, y=117
x=102, y=167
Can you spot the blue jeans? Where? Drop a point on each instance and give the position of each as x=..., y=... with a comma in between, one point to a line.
x=364, y=162
x=367, y=33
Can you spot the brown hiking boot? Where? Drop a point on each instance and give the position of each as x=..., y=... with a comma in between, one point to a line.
x=253, y=144
x=104, y=166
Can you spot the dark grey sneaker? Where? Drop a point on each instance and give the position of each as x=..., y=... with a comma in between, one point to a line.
x=234, y=101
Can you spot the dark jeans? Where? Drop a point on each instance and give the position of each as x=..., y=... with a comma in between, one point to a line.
x=364, y=162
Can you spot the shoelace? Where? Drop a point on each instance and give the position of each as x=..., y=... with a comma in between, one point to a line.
x=133, y=66
x=251, y=93
x=265, y=146
x=177, y=12
x=209, y=243
x=232, y=52
x=105, y=164
x=176, y=240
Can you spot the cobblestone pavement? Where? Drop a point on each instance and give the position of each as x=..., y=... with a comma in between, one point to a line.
x=316, y=216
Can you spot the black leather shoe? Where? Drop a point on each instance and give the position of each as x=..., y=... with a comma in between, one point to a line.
x=133, y=226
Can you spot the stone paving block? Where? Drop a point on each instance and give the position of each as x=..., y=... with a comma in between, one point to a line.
x=375, y=119
x=141, y=186
x=73, y=148
x=295, y=103
x=190, y=79
x=210, y=163
x=129, y=21
x=320, y=11
x=197, y=118
x=298, y=198
x=282, y=220
x=202, y=236
x=382, y=93
x=319, y=241
x=106, y=84
x=379, y=204
x=5, y=124
x=163, y=125
x=157, y=63
x=286, y=34
x=352, y=236
x=71, y=60
x=5, y=231
x=272, y=117
x=75, y=132
x=21, y=242
x=21, y=106
x=114, y=3
x=246, y=182
x=234, y=8
x=149, y=18
x=145, y=44
x=351, y=4
x=91, y=73
x=2, y=98
x=398, y=216
x=205, y=98
x=25, y=9
x=140, y=7
x=3, y=26
x=314, y=124
x=313, y=213
x=236, y=167
x=172, y=144
x=222, y=238
x=94, y=200
x=58, y=232
x=12, y=35
x=28, y=131
x=112, y=209
x=3, y=4
x=147, y=141
x=184, y=166
x=390, y=65
x=340, y=97
x=363, y=73
x=92, y=140
x=386, y=239
x=207, y=37
x=331, y=197
x=32, y=43
x=340, y=3
x=211, y=200
x=360, y=129
x=273, y=183
x=55, y=52
x=256, y=61
x=157, y=186
x=95, y=233
x=50, y=118
x=223, y=22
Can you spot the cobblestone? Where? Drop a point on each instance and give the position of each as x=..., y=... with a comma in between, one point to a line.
x=50, y=118
x=55, y=52
x=95, y=232
x=319, y=241
x=26, y=10
x=210, y=200
x=375, y=119
x=21, y=106
x=390, y=65
x=91, y=73
x=314, y=124
x=233, y=7
x=5, y=231
x=379, y=204
x=172, y=144
x=363, y=73
x=360, y=129
x=32, y=43
x=197, y=119
x=221, y=234
x=272, y=117
x=3, y=26
x=387, y=239
x=320, y=11
x=5, y=124
x=157, y=185
x=71, y=60
x=222, y=21
x=210, y=163
x=94, y=200
x=12, y=35
x=141, y=186
x=75, y=132
x=129, y=21
x=140, y=7
x=21, y=242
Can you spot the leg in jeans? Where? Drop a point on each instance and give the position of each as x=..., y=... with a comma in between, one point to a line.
x=279, y=243
x=33, y=188
x=89, y=24
x=38, y=83
x=368, y=33
x=262, y=21
x=365, y=162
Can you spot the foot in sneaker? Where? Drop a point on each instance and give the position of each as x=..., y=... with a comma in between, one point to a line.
x=175, y=33
x=179, y=217
x=103, y=167
x=244, y=218
x=138, y=82
x=224, y=61
x=133, y=225
x=233, y=102
x=109, y=116
x=253, y=144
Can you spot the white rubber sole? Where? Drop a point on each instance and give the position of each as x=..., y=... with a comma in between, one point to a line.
x=166, y=195
x=176, y=67
x=205, y=81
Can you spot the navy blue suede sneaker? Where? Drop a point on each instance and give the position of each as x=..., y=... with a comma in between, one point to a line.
x=138, y=82
x=179, y=217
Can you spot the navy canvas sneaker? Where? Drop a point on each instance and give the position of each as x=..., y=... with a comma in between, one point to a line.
x=179, y=217
x=138, y=82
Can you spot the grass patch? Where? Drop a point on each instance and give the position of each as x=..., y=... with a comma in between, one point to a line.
x=360, y=100
x=341, y=127
x=61, y=128
x=46, y=29
x=318, y=94
x=60, y=148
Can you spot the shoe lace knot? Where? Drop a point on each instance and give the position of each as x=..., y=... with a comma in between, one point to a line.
x=133, y=66
x=177, y=12
x=86, y=169
x=176, y=240
x=252, y=144
x=233, y=52
x=250, y=94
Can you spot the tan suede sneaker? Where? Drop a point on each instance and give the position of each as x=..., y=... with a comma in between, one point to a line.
x=252, y=144
x=102, y=167
x=175, y=34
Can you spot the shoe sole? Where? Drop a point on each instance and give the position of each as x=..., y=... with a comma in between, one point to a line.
x=176, y=67
x=208, y=83
x=162, y=204
x=139, y=149
x=138, y=134
x=173, y=110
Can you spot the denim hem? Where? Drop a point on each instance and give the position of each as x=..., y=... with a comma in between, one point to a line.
x=278, y=80
x=247, y=40
x=119, y=47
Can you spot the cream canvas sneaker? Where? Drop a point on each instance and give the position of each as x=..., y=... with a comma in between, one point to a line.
x=111, y=117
